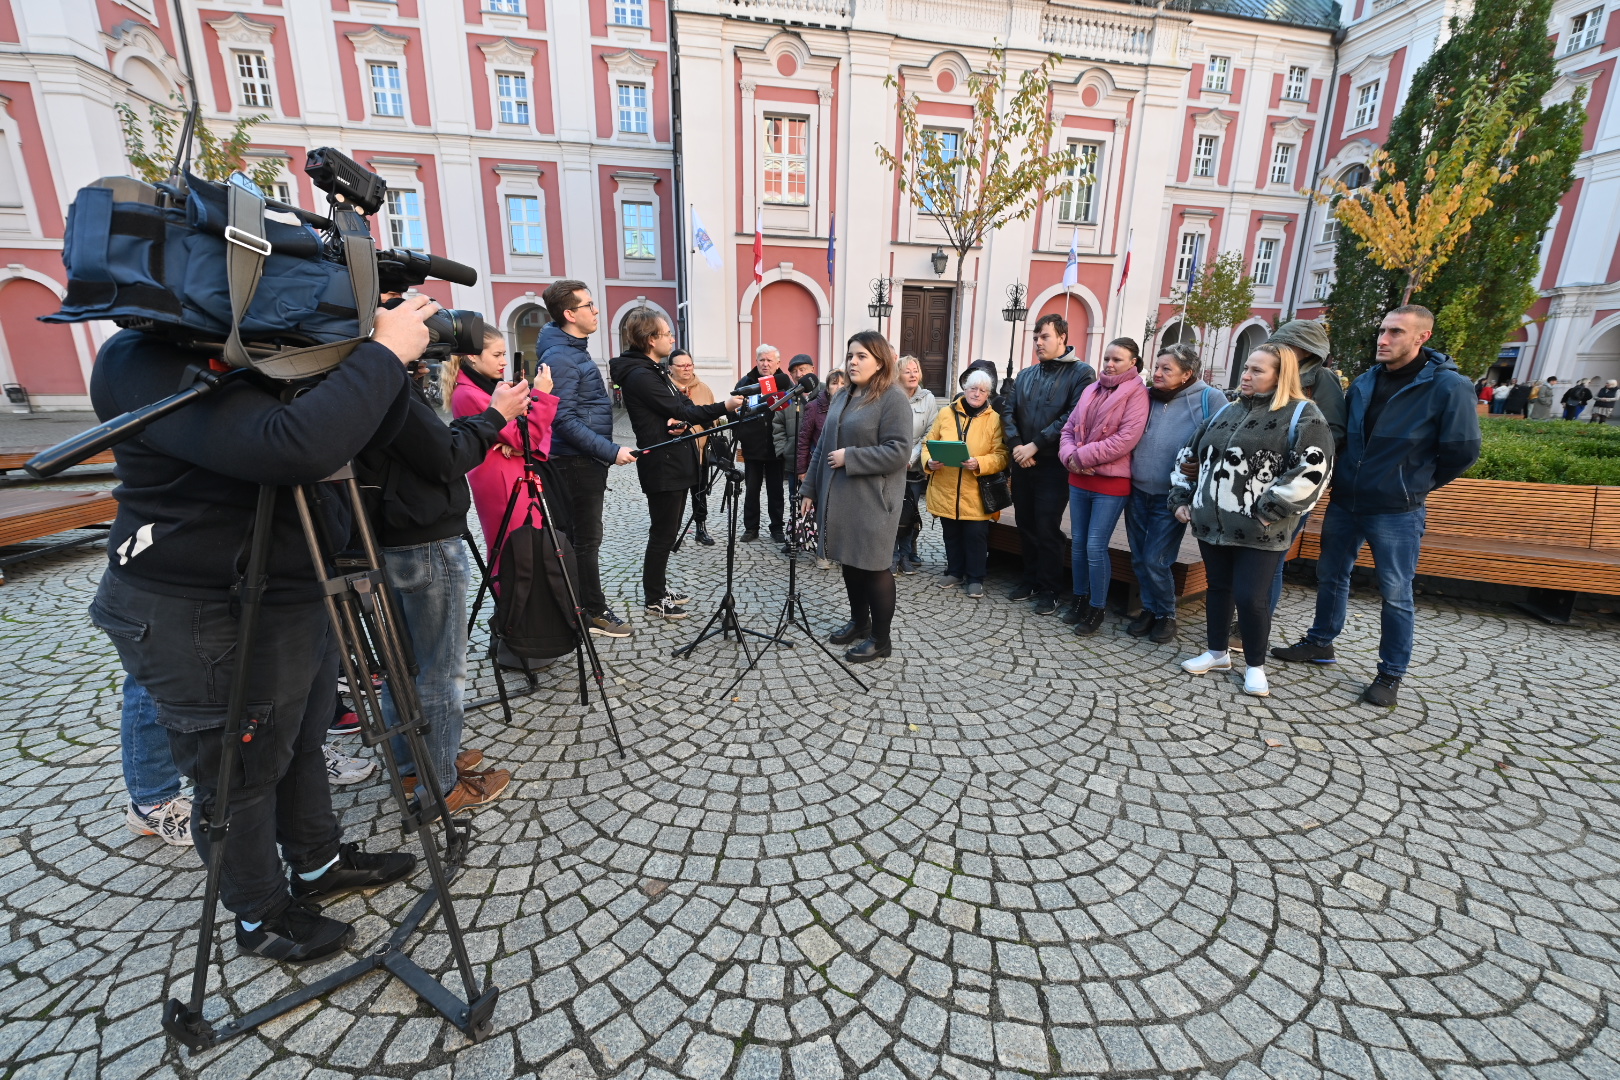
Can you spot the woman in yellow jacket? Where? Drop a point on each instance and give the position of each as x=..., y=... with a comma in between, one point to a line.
x=953, y=491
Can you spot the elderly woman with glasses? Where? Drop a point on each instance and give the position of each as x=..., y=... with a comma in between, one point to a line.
x=953, y=490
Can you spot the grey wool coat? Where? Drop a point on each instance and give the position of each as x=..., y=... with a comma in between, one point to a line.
x=858, y=506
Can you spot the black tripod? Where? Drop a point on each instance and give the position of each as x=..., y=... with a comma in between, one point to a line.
x=531, y=483
x=793, y=614
x=371, y=639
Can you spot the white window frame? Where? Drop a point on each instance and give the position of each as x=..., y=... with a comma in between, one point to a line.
x=1204, y=164
x=955, y=152
x=1282, y=164
x=633, y=186
x=386, y=101
x=522, y=181
x=1369, y=95
x=529, y=228
x=1190, y=241
x=627, y=13
x=1218, y=74
x=503, y=57
x=398, y=219
x=1297, y=88
x=784, y=160
x=1585, y=30
x=647, y=229
x=255, y=90
x=1330, y=229
x=1077, y=205
x=1321, y=284
x=377, y=46
x=622, y=110
x=239, y=34
x=1265, y=260
x=516, y=108
x=504, y=7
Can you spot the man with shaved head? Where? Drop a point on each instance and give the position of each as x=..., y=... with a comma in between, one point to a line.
x=1411, y=427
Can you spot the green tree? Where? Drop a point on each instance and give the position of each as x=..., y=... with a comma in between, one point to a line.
x=997, y=170
x=1480, y=295
x=150, y=146
x=1220, y=299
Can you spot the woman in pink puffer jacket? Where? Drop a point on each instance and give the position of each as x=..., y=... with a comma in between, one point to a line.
x=1095, y=447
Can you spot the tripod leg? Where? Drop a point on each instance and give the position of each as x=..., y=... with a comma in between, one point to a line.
x=485, y=578
x=186, y=1022
x=500, y=683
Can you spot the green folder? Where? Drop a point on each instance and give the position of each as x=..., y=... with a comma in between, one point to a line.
x=948, y=451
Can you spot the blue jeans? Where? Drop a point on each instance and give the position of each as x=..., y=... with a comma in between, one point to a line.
x=1092, y=518
x=1396, y=540
x=1155, y=537
x=150, y=774
x=430, y=581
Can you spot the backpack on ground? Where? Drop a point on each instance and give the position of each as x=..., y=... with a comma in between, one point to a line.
x=533, y=617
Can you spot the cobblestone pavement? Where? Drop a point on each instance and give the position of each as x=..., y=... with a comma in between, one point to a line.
x=1022, y=854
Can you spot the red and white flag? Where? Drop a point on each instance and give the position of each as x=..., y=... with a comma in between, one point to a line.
x=1125, y=271
x=759, y=248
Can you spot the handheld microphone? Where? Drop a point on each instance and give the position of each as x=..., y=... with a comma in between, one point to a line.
x=766, y=385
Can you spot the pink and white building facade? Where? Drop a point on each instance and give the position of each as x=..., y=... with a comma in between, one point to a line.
x=538, y=139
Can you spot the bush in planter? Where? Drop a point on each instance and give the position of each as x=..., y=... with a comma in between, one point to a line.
x=1548, y=452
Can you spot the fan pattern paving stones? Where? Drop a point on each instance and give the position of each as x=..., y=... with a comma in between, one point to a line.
x=1023, y=854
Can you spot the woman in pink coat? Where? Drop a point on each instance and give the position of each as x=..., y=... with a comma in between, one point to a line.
x=469, y=381
x=1095, y=447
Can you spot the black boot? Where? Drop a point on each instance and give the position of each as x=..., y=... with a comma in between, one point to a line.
x=1164, y=630
x=1140, y=625
x=850, y=632
x=870, y=649
x=1091, y=622
x=703, y=537
x=1075, y=610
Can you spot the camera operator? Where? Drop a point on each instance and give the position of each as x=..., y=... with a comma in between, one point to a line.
x=170, y=599
x=419, y=521
x=657, y=412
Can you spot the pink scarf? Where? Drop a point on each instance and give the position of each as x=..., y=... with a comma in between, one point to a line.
x=1102, y=402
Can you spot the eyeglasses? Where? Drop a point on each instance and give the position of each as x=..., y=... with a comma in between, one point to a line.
x=587, y=304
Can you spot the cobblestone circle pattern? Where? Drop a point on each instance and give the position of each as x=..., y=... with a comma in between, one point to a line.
x=1022, y=854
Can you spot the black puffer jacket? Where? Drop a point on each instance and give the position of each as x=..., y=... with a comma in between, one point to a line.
x=1042, y=398
x=651, y=401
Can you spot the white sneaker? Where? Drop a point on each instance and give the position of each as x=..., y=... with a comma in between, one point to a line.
x=170, y=822
x=1254, y=682
x=1207, y=661
x=343, y=770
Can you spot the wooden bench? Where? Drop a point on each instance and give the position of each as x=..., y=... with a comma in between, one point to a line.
x=1187, y=570
x=14, y=459
x=28, y=514
x=1556, y=539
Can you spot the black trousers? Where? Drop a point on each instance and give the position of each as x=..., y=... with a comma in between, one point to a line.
x=871, y=597
x=769, y=473
x=1040, y=495
x=585, y=483
x=967, y=549
x=183, y=653
x=700, y=505
x=1239, y=577
x=665, y=509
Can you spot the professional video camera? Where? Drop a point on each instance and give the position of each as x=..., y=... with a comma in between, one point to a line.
x=270, y=286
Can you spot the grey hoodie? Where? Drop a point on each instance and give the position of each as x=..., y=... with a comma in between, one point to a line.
x=1170, y=426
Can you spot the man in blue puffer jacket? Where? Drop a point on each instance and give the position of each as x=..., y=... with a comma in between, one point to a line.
x=582, y=446
x=1412, y=427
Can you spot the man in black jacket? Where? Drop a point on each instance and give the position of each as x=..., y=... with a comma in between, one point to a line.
x=761, y=465
x=422, y=479
x=1033, y=415
x=188, y=489
x=658, y=411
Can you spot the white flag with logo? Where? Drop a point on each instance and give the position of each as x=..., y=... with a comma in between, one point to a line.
x=705, y=243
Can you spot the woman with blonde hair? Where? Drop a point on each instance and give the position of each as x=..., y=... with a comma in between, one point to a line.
x=1245, y=479
x=855, y=483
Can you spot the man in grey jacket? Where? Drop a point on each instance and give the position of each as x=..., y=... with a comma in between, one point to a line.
x=1181, y=402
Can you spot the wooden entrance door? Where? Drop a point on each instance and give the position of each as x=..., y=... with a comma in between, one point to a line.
x=925, y=330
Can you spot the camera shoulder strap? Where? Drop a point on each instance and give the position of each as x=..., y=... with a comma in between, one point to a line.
x=245, y=252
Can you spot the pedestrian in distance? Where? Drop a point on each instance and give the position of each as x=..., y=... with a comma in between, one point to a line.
x=855, y=484
x=1543, y=396
x=1033, y=412
x=1518, y=399
x=659, y=412
x=1603, y=403
x=683, y=373
x=953, y=490
x=924, y=408
x=762, y=469
x=1095, y=447
x=582, y=448
x=1412, y=428
x=1179, y=402
x=1575, y=399
x=1263, y=461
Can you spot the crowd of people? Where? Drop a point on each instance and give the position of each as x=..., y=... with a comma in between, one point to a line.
x=1592, y=398
x=848, y=464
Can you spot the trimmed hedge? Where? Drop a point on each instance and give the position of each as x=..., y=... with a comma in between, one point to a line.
x=1548, y=451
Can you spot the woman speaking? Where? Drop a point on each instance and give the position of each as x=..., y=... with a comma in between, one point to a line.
x=856, y=483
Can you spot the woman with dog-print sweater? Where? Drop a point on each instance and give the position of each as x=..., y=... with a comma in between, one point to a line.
x=1243, y=482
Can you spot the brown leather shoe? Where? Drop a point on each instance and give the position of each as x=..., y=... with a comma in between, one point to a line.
x=476, y=789
x=466, y=762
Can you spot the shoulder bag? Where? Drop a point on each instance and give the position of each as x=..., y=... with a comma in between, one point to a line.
x=995, y=491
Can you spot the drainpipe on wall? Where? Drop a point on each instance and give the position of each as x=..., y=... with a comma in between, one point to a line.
x=1322, y=134
x=683, y=308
